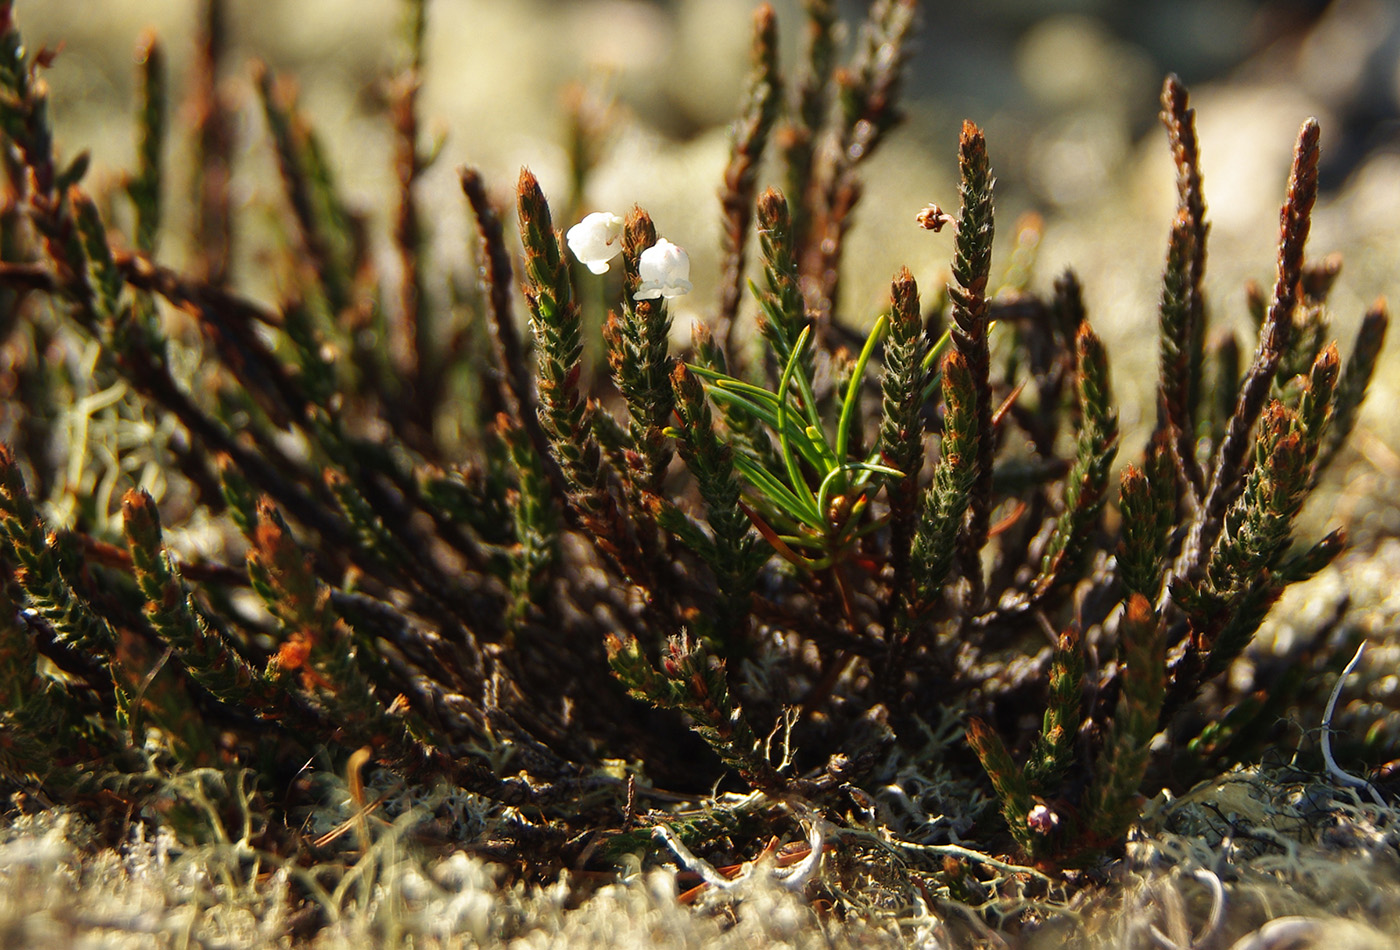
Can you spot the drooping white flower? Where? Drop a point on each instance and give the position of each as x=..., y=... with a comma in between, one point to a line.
x=596, y=240
x=664, y=270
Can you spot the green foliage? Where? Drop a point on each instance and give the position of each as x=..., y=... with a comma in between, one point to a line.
x=474, y=594
x=795, y=517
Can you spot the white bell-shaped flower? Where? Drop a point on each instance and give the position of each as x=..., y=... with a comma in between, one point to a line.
x=596, y=240
x=664, y=270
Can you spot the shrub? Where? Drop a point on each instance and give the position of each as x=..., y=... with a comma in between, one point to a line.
x=665, y=610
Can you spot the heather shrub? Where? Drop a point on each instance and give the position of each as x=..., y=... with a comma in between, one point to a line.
x=888, y=587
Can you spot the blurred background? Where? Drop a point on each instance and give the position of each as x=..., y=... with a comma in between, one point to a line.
x=1067, y=92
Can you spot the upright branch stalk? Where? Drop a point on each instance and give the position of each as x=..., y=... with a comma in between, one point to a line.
x=868, y=92
x=748, y=139
x=1175, y=316
x=1122, y=761
x=174, y=614
x=1009, y=782
x=1248, y=568
x=408, y=231
x=327, y=235
x=1180, y=121
x=1096, y=447
x=1257, y=529
x=536, y=527
x=24, y=114
x=784, y=314
x=565, y=417
x=317, y=653
x=692, y=682
x=797, y=139
x=1147, y=500
x=46, y=570
x=638, y=351
x=513, y=376
x=145, y=185
x=39, y=717
x=943, y=508
x=1053, y=751
x=46, y=191
x=901, y=423
x=214, y=141
x=31, y=550
x=866, y=97
x=1295, y=219
x=972, y=264
x=1351, y=388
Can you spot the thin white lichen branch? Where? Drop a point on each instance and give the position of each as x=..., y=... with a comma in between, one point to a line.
x=895, y=845
x=1333, y=769
x=797, y=877
x=1217, y=902
x=1171, y=903
x=1286, y=932
x=690, y=862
